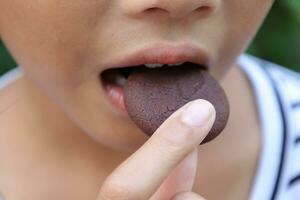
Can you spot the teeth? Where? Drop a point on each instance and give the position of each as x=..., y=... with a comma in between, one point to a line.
x=120, y=80
x=155, y=65
x=177, y=64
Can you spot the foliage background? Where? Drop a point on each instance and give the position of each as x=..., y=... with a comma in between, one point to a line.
x=278, y=40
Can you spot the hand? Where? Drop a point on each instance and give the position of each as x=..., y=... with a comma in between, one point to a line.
x=165, y=166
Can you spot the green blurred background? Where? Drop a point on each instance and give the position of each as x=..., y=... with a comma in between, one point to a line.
x=278, y=40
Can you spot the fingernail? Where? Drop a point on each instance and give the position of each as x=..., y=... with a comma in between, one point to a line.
x=197, y=113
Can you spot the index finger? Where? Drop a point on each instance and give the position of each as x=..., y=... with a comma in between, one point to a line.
x=139, y=176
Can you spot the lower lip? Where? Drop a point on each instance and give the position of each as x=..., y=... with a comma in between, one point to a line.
x=115, y=94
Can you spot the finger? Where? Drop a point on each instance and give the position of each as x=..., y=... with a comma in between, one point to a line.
x=139, y=176
x=187, y=196
x=180, y=179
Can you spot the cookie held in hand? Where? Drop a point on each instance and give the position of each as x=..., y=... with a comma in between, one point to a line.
x=152, y=95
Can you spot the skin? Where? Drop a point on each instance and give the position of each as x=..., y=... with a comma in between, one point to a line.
x=79, y=139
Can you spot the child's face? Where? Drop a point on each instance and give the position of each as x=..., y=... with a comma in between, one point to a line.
x=64, y=45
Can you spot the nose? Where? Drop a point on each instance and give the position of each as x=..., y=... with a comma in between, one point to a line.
x=173, y=8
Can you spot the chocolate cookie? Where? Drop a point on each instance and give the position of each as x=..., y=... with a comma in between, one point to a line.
x=152, y=95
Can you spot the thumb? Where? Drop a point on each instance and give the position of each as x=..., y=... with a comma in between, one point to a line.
x=181, y=179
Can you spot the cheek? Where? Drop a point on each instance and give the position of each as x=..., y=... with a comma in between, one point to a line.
x=88, y=108
x=241, y=20
x=50, y=39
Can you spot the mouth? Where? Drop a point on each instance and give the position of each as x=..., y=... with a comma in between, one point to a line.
x=156, y=57
x=114, y=79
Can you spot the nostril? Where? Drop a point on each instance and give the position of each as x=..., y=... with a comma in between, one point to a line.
x=204, y=9
x=155, y=9
x=152, y=9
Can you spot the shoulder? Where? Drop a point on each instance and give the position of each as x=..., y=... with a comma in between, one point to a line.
x=287, y=81
x=10, y=87
x=275, y=70
x=10, y=76
x=285, y=84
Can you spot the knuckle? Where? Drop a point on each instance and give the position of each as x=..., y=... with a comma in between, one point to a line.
x=115, y=191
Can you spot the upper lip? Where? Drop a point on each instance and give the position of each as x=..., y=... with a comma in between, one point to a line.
x=165, y=54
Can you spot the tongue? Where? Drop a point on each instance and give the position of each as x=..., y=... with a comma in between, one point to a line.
x=152, y=95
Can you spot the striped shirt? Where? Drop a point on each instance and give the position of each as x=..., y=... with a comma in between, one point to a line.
x=277, y=94
x=277, y=91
